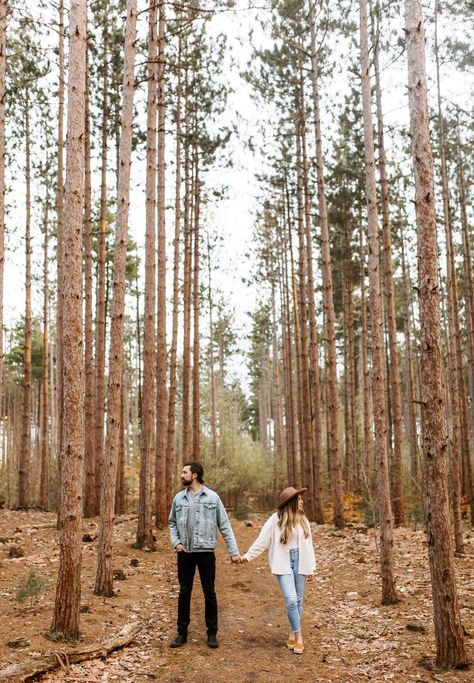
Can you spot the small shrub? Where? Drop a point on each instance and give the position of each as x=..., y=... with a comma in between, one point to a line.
x=15, y=551
x=119, y=575
x=242, y=511
x=416, y=516
x=60, y=637
x=32, y=587
x=368, y=512
x=18, y=643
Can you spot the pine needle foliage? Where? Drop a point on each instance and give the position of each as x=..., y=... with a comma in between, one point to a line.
x=34, y=585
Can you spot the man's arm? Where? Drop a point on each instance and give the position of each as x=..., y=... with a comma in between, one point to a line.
x=173, y=527
x=226, y=530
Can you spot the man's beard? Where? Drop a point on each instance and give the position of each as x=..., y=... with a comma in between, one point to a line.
x=185, y=482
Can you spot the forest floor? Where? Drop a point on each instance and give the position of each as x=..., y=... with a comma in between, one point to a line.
x=349, y=636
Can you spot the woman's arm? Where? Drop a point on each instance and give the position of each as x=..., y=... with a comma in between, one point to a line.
x=262, y=542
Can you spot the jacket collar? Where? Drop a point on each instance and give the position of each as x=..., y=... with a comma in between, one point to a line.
x=204, y=491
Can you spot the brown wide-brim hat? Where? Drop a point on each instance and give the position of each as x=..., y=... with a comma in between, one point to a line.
x=288, y=494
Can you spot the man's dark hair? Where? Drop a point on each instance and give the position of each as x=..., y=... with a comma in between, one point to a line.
x=196, y=468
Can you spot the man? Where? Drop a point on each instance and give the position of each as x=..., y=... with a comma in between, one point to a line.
x=196, y=514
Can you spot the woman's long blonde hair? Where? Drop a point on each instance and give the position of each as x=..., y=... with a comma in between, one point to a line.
x=288, y=519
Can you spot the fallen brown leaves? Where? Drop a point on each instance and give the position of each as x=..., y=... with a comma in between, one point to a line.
x=349, y=636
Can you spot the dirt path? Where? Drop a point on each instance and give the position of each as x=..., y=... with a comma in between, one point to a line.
x=349, y=636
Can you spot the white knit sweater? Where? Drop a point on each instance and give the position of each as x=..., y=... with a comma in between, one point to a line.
x=278, y=553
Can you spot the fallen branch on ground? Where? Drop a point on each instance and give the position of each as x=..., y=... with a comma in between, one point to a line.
x=24, y=671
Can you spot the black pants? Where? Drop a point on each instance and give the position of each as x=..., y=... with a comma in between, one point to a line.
x=206, y=563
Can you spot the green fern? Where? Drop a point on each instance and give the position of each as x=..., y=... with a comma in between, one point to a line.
x=32, y=587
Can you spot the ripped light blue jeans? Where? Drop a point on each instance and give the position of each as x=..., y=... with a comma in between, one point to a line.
x=292, y=586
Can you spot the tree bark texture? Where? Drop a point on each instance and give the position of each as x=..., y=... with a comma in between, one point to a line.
x=316, y=489
x=328, y=298
x=196, y=345
x=68, y=586
x=60, y=249
x=104, y=575
x=171, y=419
x=44, y=474
x=3, y=61
x=145, y=510
x=394, y=365
x=187, y=282
x=468, y=273
x=25, y=448
x=161, y=398
x=364, y=362
x=448, y=627
x=210, y=303
x=389, y=595
x=301, y=313
x=410, y=374
x=89, y=412
x=101, y=302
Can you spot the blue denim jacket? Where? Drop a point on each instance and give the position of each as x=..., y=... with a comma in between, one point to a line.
x=210, y=515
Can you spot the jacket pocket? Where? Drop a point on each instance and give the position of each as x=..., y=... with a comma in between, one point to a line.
x=208, y=525
x=181, y=520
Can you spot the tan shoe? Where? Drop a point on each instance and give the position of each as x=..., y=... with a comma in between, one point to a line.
x=290, y=643
x=298, y=649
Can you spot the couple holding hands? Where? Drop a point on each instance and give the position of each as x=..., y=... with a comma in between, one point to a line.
x=196, y=514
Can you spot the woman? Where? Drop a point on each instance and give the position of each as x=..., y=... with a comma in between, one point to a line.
x=287, y=535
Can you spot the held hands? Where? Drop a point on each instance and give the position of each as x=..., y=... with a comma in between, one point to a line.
x=238, y=559
x=235, y=559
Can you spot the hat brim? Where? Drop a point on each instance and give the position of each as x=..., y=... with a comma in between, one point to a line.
x=297, y=493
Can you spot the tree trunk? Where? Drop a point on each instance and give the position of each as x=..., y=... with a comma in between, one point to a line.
x=328, y=299
x=455, y=369
x=101, y=303
x=389, y=595
x=44, y=476
x=186, y=424
x=448, y=627
x=294, y=346
x=145, y=510
x=288, y=359
x=394, y=365
x=213, y=416
x=289, y=436
x=3, y=61
x=89, y=414
x=68, y=587
x=367, y=458
x=196, y=345
x=351, y=455
x=122, y=457
x=467, y=253
x=410, y=376
x=104, y=578
x=174, y=325
x=461, y=446
x=161, y=399
x=25, y=452
x=316, y=488
x=301, y=314
x=279, y=449
x=60, y=249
